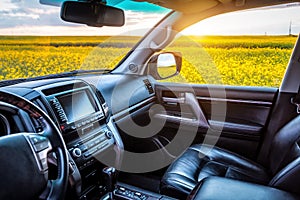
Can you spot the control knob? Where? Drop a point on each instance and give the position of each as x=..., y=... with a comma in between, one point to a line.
x=76, y=152
x=108, y=134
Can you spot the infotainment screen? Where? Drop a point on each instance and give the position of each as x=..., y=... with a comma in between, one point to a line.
x=76, y=105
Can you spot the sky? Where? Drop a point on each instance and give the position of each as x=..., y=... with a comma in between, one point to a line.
x=27, y=17
x=272, y=21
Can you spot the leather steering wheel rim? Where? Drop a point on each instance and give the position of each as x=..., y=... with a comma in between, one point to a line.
x=52, y=133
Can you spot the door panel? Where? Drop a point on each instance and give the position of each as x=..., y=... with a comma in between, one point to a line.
x=240, y=113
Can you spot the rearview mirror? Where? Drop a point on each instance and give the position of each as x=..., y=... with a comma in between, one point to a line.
x=92, y=14
x=165, y=65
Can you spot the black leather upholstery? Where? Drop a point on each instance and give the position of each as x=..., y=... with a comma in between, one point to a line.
x=193, y=166
x=217, y=188
x=201, y=161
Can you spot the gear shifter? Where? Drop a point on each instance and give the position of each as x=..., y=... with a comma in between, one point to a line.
x=110, y=177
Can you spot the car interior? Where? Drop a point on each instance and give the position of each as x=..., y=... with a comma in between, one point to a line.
x=123, y=134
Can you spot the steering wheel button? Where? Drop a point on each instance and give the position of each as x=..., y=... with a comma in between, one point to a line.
x=41, y=146
x=44, y=164
x=37, y=139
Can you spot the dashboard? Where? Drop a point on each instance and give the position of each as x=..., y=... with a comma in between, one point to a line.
x=82, y=109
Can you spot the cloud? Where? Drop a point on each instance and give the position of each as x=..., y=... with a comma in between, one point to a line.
x=25, y=8
x=20, y=15
x=77, y=30
x=40, y=11
x=7, y=5
x=36, y=19
x=44, y=30
x=28, y=17
x=141, y=18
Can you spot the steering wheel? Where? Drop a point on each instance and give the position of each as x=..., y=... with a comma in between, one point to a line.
x=23, y=157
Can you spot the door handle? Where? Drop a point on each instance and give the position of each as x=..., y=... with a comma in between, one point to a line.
x=190, y=100
x=173, y=100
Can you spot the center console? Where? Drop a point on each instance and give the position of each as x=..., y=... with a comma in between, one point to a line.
x=81, y=114
x=129, y=192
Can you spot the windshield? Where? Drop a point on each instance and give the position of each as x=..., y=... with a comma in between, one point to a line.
x=34, y=41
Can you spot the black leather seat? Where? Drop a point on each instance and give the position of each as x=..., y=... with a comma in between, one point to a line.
x=201, y=161
x=217, y=188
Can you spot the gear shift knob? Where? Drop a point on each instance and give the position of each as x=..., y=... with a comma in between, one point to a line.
x=110, y=177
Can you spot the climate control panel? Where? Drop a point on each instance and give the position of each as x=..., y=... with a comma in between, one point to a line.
x=85, y=149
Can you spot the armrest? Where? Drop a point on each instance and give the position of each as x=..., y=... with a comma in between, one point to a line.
x=218, y=188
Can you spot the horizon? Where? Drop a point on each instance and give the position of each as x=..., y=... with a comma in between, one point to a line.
x=274, y=35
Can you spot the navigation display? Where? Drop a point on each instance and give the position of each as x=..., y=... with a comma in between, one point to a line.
x=76, y=105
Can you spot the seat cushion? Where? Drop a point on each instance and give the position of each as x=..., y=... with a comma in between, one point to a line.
x=216, y=188
x=201, y=161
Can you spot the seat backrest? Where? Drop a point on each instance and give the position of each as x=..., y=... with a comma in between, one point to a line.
x=285, y=157
x=288, y=178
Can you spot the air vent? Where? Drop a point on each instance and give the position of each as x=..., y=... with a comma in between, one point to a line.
x=63, y=88
x=148, y=86
x=35, y=122
x=101, y=99
x=40, y=104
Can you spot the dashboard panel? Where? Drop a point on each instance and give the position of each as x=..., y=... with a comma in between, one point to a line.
x=84, y=108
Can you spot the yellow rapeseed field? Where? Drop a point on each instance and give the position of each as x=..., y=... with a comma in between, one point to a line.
x=242, y=60
x=234, y=60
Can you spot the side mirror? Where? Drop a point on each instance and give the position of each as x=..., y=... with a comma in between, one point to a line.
x=165, y=65
x=92, y=13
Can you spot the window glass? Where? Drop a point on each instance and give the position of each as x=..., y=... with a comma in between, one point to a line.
x=34, y=41
x=246, y=48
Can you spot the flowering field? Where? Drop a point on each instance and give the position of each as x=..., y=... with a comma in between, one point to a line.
x=239, y=60
x=22, y=57
x=248, y=60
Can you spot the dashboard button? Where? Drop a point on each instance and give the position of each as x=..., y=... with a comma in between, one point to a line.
x=97, y=141
x=87, y=154
x=76, y=152
x=108, y=134
x=83, y=148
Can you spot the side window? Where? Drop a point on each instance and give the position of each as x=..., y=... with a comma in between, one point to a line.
x=249, y=48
